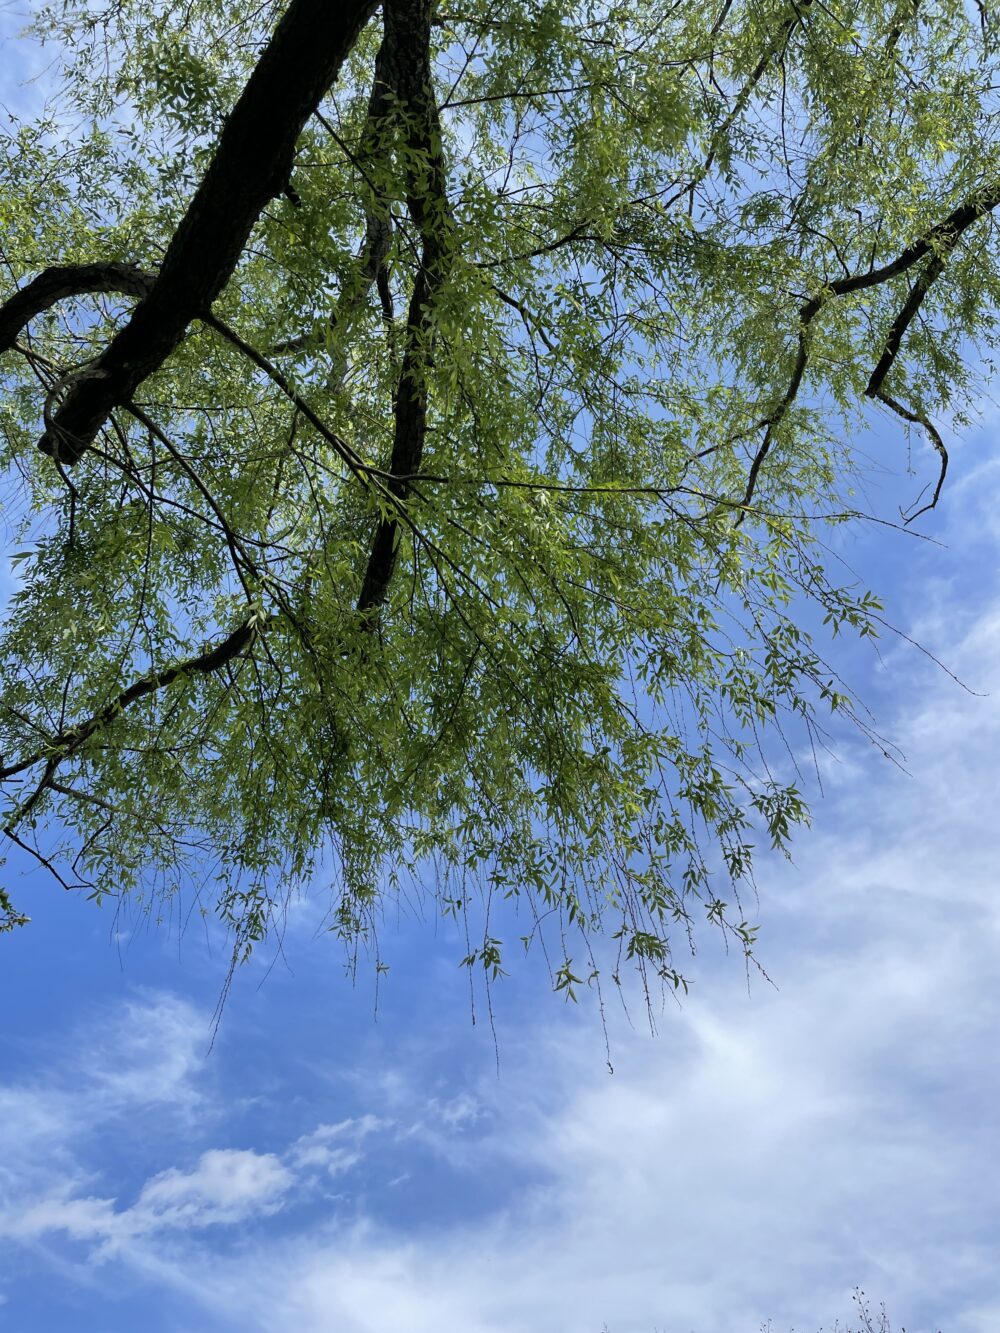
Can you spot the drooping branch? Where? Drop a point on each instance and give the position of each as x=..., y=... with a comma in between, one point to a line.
x=61, y=746
x=390, y=488
x=251, y=164
x=933, y=434
x=769, y=423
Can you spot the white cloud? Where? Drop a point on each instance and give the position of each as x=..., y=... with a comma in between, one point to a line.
x=112, y=1067
x=116, y=1070
x=758, y=1160
x=151, y=1051
x=335, y=1148
x=227, y=1185
x=81, y=1219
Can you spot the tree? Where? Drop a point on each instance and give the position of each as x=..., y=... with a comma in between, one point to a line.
x=425, y=429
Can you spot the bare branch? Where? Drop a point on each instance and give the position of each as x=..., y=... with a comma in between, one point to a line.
x=919, y=419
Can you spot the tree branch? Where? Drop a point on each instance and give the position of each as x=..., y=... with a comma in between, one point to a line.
x=938, y=241
x=408, y=65
x=943, y=235
x=62, y=745
x=903, y=321
x=374, y=249
x=359, y=469
x=61, y=282
x=919, y=419
x=251, y=165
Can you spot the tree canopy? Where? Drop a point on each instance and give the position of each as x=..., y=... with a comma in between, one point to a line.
x=424, y=426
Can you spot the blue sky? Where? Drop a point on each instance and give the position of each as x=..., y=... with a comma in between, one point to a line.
x=337, y=1160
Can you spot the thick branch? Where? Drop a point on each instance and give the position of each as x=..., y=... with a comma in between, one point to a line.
x=62, y=282
x=251, y=164
x=943, y=235
x=378, y=222
x=408, y=68
x=902, y=322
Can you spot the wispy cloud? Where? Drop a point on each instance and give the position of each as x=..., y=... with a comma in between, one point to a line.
x=226, y=1186
x=334, y=1148
x=98, y=1078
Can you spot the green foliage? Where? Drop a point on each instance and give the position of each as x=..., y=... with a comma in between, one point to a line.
x=636, y=462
